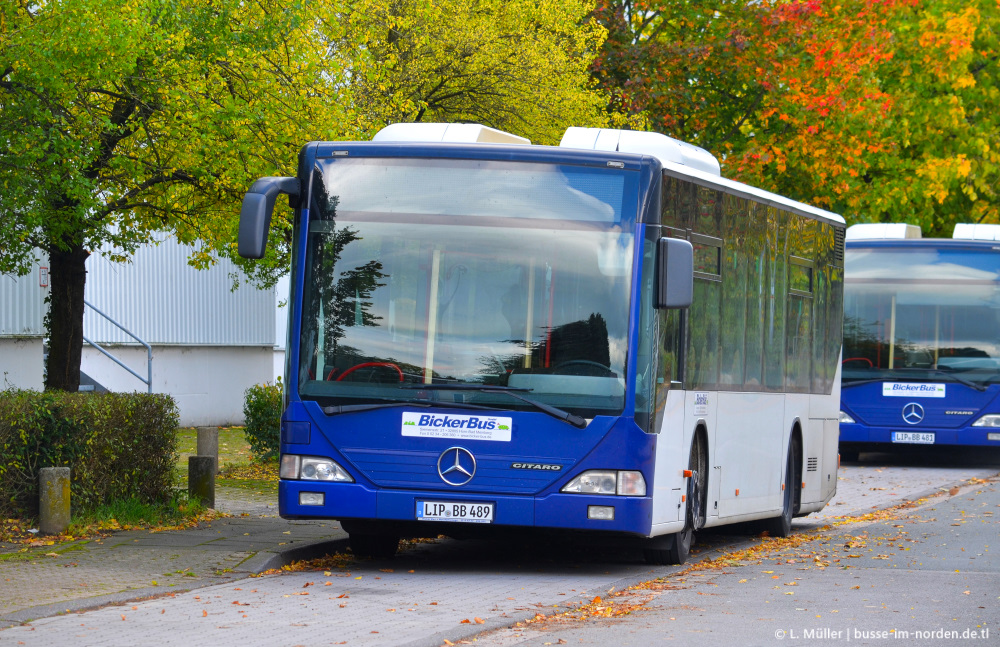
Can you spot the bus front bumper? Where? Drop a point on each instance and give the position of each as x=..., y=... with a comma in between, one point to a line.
x=319, y=500
x=963, y=436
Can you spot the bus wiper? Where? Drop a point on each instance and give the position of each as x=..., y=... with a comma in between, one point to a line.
x=935, y=371
x=845, y=385
x=960, y=380
x=512, y=391
x=349, y=408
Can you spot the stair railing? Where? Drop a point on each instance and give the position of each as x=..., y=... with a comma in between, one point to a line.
x=148, y=381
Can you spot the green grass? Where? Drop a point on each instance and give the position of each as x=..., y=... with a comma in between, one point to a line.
x=238, y=466
x=132, y=513
x=233, y=446
x=125, y=514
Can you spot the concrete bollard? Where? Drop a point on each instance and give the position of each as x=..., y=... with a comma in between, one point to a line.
x=201, y=480
x=208, y=444
x=53, y=500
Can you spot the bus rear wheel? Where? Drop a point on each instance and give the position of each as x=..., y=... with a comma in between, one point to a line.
x=373, y=546
x=781, y=526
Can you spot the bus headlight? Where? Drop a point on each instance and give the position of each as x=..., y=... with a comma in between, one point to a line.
x=989, y=420
x=620, y=482
x=846, y=418
x=312, y=468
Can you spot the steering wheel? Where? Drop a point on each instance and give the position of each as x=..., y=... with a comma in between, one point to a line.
x=369, y=364
x=859, y=359
x=584, y=362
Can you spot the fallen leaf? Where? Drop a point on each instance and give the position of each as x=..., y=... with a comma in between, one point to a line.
x=480, y=621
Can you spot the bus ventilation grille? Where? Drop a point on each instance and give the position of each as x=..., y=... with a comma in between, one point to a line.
x=812, y=464
x=838, y=243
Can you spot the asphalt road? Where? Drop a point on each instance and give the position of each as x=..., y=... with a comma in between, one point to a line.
x=858, y=578
x=928, y=577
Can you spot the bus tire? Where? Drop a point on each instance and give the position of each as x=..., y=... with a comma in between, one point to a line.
x=849, y=455
x=680, y=546
x=373, y=546
x=781, y=526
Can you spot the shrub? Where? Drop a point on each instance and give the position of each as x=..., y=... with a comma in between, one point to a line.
x=262, y=412
x=117, y=446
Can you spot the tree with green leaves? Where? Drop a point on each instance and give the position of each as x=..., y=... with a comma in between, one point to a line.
x=123, y=119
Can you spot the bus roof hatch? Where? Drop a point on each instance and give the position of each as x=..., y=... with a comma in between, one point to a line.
x=882, y=230
x=966, y=231
x=452, y=133
x=666, y=149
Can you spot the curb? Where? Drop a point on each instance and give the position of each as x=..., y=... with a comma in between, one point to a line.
x=267, y=560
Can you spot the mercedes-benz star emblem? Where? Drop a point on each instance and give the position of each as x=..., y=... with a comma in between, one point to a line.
x=913, y=413
x=456, y=466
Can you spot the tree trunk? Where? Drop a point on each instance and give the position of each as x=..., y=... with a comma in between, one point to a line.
x=68, y=273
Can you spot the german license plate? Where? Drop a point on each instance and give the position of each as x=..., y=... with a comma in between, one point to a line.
x=463, y=511
x=912, y=437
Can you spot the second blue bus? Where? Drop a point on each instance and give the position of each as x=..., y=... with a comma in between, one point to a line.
x=921, y=339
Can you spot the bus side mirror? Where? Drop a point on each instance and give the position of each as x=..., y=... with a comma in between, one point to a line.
x=674, y=273
x=255, y=215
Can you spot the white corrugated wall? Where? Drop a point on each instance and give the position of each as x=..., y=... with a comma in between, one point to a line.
x=22, y=303
x=163, y=300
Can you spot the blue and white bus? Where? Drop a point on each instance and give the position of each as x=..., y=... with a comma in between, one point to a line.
x=605, y=336
x=921, y=338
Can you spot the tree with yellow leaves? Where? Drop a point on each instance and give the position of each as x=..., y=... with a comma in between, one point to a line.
x=515, y=65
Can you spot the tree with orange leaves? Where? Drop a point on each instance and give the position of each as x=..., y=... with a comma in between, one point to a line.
x=877, y=109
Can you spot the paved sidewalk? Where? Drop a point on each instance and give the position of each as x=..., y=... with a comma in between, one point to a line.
x=45, y=581
x=48, y=581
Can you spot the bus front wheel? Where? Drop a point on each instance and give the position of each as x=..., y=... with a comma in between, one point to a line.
x=680, y=543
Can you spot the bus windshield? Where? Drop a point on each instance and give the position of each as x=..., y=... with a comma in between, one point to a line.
x=464, y=273
x=922, y=313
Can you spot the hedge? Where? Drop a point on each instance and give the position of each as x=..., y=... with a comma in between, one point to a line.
x=117, y=445
x=262, y=413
